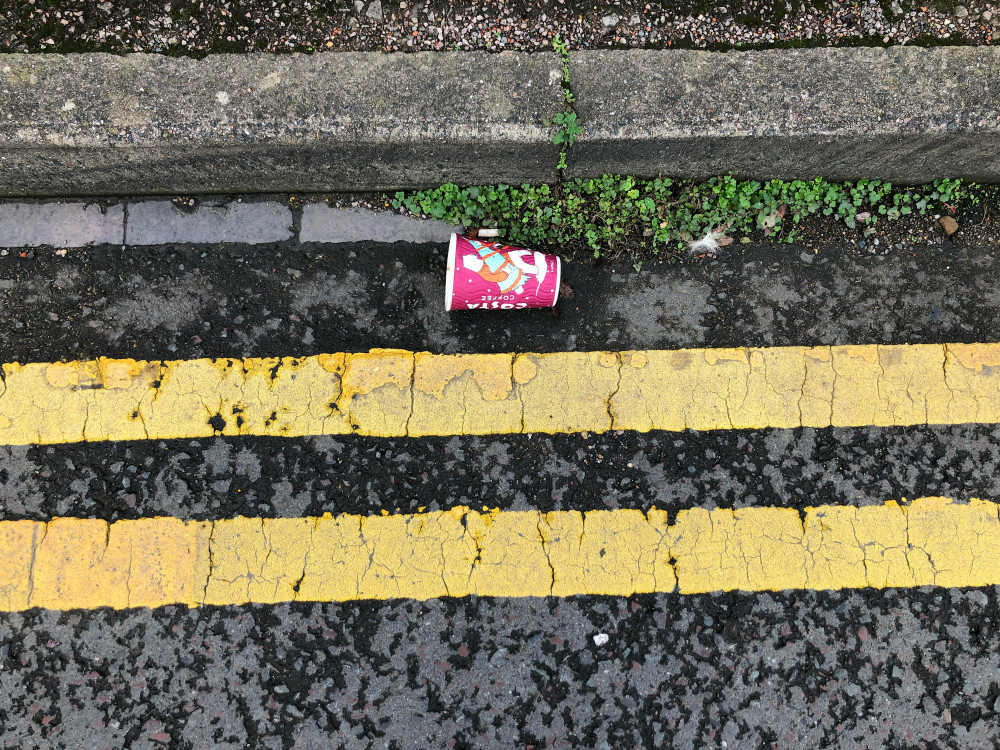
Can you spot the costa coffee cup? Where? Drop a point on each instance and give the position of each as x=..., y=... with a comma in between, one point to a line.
x=484, y=275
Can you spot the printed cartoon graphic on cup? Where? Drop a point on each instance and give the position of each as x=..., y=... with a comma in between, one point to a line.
x=493, y=276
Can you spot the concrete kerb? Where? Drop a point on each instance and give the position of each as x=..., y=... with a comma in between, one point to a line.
x=91, y=125
x=904, y=114
x=322, y=223
x=98, y=124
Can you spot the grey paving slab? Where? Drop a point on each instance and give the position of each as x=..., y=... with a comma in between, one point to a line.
x=60, y=224
x=99, y=124
x=905, y=114
x=323, y=223
x=161, y=222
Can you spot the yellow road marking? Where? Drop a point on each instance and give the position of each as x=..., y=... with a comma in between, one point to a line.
x=74, y=563
x=393, y=393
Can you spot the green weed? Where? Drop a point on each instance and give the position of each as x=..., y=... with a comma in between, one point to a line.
x=567, y=122
x=569, y=128
x=608, y=214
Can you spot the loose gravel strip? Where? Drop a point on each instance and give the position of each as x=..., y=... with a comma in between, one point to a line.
x=193, y=27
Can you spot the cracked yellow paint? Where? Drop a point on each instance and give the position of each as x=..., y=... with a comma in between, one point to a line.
x=567, y=392
x=253, y=560
x=17, y=540
x=390, y=393
x=464, y=394
x=78, y=563
x=376, y=395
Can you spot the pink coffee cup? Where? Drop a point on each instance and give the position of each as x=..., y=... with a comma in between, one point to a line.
x=485, y=275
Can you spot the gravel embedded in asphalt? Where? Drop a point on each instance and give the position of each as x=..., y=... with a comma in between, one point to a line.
x=291, y=477
x=289, y=299
x=798, y=669
x=190, y=27
x=853, y=670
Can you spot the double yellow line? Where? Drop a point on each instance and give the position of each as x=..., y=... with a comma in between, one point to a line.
x=393, y=393
x=69, y=563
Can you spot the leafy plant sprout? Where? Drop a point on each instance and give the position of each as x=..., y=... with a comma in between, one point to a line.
x=606, y=213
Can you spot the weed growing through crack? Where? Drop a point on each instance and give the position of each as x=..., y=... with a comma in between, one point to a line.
x=560, y=47
x=567, y=122
x=569, y=128
x=605, y=214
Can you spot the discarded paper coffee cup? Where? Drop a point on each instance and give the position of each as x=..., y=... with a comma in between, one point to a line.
x=485, y=275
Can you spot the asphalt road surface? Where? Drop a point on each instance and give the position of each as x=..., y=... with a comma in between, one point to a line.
x=862, y=668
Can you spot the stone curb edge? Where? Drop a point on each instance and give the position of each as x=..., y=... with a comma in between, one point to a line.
x=97, y=124
x=79, y=224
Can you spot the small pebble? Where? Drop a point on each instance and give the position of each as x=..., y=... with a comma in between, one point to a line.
x=601, y=638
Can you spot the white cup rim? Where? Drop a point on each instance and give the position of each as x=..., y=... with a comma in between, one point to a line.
x=449, y=275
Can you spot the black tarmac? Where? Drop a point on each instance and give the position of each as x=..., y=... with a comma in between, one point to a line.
x=179, y=302
x=913, y=668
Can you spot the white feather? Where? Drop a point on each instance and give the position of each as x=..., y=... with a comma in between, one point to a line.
x=705, y=244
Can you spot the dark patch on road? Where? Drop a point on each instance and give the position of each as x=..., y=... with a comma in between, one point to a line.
x=296, y=300
x=292, y=477
x=855, y=669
